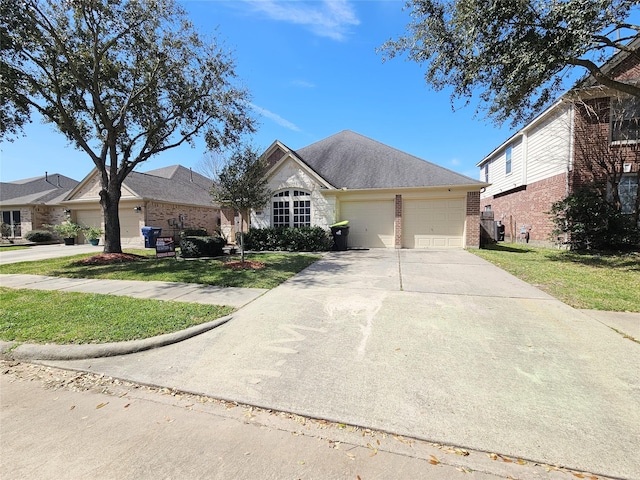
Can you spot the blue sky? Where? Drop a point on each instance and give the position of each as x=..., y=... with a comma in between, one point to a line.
x=312, y=70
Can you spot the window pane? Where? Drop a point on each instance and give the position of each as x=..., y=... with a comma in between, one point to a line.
x=628, y=190
x=625, y=119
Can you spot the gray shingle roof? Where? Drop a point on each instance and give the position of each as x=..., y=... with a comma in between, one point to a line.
x=47, y=189
x=350, y=160
x=174, y=184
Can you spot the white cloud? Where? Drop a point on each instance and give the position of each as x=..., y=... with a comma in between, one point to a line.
x=325, y=18
x=455, y=162
x=275, y=117
x=303, y=84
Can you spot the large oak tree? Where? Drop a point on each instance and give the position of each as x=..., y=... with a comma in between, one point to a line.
x=123, y=80
x=515, y=54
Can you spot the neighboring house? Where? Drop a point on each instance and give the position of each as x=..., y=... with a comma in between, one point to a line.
x=28, y=204
x=589, y=137
x=170, y=198
x=390, y=198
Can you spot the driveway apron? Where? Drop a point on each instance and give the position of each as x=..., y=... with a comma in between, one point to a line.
x=438, y=345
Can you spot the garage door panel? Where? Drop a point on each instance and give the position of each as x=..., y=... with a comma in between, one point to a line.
x=130, y=229
x=370, y=223
x=433, y=223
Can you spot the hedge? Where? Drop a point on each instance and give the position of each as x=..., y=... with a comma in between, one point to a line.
x=194, y=247
x=299, y=239
x=39, y=236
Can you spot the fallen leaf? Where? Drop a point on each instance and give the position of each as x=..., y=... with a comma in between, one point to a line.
x=127, y=405
x=434, y=460
x=100, y=405
x=521, y=462
x=358, y=477
x=579, y=475
x=72, y=407
x=460, y=451
x=378, y=442
x=492, y=456
x=374, y=453
x=506, y=460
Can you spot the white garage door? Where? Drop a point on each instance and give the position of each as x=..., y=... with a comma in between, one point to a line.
x=370, y=223
x=89, y=218
x=130, y=227
x=433, y=223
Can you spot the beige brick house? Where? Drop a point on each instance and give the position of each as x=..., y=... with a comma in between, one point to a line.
x=170, y=198
x=590, y=136
x=390, y=198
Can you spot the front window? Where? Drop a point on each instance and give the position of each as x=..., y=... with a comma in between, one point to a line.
x=628, y=191
x=508, y=160
x=12, y=219
x=486, y=173
x=625, y=120
x=291, y=208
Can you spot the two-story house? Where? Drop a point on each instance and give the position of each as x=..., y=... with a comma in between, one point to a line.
x=588, y=137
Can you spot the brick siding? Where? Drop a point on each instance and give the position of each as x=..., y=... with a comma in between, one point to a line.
x=528, y=206
x=472, y=221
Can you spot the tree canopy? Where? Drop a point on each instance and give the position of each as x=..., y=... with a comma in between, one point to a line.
x=516, y=54
x=241, y=184
x=123, y=80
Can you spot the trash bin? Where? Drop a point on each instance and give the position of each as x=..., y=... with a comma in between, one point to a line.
x=150, y=235
x=340, y=234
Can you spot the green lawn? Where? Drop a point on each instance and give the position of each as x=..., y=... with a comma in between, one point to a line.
x=598, y=282
x=38, y=316
x=60, y=317
x=278, y=268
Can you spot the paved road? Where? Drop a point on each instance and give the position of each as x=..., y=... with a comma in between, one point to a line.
x=60, y=425
x=441, y=346
x=40, y=252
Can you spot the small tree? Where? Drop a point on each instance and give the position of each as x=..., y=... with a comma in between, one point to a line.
x=241, y=185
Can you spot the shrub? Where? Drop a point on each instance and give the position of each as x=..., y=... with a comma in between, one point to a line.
x=201, y=246
x=592, y=223
x=39, y=236
x=193, y=232
x=300, y=239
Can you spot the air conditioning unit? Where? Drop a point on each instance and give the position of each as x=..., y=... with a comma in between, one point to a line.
x=626, y=168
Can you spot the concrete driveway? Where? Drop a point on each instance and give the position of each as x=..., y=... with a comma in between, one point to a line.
x=441, y=346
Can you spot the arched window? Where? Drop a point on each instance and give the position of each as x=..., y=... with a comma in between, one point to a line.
x=291, y=208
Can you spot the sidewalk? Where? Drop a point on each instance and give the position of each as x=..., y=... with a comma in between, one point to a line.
x=177, y=292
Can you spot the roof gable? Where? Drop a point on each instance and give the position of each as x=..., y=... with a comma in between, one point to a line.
x=173, y=184
x=350, y=160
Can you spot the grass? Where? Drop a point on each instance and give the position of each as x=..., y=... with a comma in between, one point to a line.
x=278, y=268
x=72, y=318
x=589, y=281
x=4, y=248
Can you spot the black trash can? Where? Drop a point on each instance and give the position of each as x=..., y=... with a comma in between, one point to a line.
x=340, y=235
x=150, y=235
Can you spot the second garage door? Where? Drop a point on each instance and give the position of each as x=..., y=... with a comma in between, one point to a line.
x=433, y=223
x=370, y=223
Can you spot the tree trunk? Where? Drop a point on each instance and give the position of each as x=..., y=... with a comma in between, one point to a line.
x=241, y=237
x=110, y=201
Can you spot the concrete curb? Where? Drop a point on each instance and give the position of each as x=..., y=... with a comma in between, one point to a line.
x=27, y=352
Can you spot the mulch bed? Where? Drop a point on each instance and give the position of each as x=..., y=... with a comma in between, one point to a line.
x=246, y=265
x=110, y=258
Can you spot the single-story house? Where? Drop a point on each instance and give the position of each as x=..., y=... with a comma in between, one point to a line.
x=588, y=137
x=391, y=199
x=28, y=204
x=170, y=198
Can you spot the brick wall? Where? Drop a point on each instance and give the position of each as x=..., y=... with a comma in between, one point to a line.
x=527, y=206
x=158, y=214
x=397, y=226
x=472, y=221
